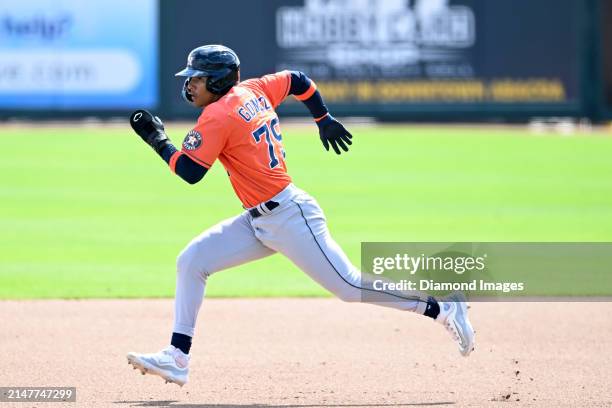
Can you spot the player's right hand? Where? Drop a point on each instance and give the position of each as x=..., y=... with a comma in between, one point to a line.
x=150, y=128
x=333, y=133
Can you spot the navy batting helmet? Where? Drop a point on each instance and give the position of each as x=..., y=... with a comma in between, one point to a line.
x=218, y=63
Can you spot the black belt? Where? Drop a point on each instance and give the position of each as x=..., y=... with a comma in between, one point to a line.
x=270, y=205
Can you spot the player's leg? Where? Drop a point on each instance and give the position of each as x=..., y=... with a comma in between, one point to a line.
x=300, y=232
x=229, y=243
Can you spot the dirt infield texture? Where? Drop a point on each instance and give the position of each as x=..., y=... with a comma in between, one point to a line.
x=311, y=353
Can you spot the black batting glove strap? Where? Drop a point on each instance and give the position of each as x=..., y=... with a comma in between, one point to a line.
x=333, y=133
x=150, y=128
x=167, y=152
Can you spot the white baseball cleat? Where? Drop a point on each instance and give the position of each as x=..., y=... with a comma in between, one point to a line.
x=171, y=364
x=453, y=315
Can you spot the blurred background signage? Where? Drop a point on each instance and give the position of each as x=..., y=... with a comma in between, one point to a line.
x=389, y=59
x=73, y=54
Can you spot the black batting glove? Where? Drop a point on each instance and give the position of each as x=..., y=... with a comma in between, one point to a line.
x=150, y=128
x=333, y=133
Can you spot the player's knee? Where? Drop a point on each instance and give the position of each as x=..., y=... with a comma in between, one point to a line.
x=183, y=262
x=186, y=266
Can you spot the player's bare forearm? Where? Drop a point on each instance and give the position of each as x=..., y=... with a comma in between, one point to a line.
x=151, y=129
x=331, y=132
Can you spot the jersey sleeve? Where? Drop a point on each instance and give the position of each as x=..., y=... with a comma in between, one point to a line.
x=205, y=141
x=275, y=86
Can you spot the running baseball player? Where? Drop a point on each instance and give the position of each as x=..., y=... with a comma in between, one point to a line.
x=239, y=126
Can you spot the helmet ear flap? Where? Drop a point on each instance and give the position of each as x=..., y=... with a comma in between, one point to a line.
x=211, y=85
x=221, y=85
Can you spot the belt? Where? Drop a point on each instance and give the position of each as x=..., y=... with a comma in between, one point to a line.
x=269, y=205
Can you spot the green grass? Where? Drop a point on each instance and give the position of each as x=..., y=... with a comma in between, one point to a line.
x=91, y=212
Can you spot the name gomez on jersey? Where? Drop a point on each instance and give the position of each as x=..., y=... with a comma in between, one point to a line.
x=253, y=107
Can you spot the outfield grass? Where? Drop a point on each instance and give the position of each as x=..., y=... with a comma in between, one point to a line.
x=92, y=212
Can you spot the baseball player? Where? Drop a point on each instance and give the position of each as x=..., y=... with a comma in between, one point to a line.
x=239, y=127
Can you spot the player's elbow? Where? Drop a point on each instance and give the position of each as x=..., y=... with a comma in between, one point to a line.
x=189, y=170
x=193, y=178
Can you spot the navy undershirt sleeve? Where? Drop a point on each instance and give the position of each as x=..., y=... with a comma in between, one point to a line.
x=300, y=83
x=185, y=168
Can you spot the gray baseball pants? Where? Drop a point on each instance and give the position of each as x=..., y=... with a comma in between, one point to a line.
x=296, y=229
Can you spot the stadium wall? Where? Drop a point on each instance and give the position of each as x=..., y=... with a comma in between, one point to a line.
x=460, y=60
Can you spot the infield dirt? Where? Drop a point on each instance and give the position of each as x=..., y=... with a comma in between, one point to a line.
x=311, y=353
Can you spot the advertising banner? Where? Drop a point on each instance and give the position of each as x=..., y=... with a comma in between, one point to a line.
x=606, y=56
x=381, y=56
x=396, y=51
x=73, y=54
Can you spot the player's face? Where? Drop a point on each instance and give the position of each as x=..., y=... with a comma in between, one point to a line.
x=201, y=96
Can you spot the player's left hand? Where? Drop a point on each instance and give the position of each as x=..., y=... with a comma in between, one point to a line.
x=333, y=133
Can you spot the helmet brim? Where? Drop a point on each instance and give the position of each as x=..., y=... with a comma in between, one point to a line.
x=190, y=72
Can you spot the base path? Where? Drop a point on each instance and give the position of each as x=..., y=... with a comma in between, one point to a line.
x=311, y=353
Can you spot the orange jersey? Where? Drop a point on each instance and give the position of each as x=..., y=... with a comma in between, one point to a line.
x=243, y=131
